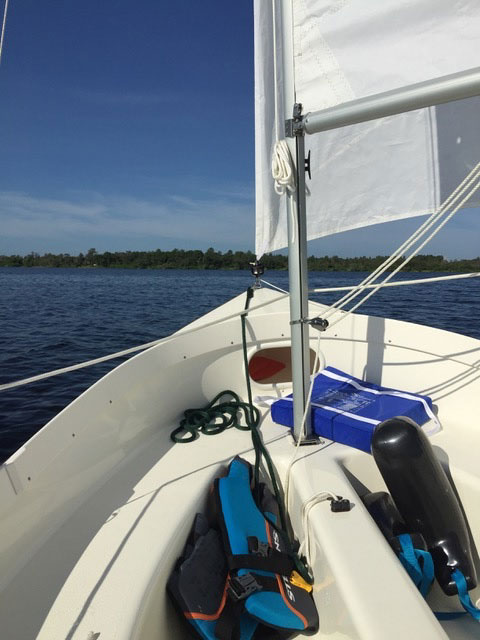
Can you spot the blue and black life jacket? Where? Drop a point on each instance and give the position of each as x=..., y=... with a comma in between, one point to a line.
x=233, y=580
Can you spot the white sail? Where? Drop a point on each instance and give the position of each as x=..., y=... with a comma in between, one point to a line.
x=383, y=170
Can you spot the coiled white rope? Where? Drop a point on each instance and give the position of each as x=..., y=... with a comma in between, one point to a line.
x=4, y=22
x=305, y=547
x=282, y=168
x=142, y=347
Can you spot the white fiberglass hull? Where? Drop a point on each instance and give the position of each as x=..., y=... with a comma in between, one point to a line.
x=97, y=506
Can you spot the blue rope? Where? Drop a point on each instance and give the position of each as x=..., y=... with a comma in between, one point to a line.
x=465, y=599
x=418, y=564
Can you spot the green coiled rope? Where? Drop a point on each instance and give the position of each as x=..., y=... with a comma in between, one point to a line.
x=215, y=417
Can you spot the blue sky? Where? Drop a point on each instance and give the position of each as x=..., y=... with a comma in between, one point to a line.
x=130, y=126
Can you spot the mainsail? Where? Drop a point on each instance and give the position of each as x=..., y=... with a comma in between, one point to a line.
x=387, y=169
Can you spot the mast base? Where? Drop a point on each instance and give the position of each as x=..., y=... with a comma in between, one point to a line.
x=309, y=440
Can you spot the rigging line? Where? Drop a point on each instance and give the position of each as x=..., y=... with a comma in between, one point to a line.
x=430, y=221
x=427, y=240
x=4, y=22
x=349, y=297
x=427, y=225
x=453, y=197
x=400, y=283
x=416, y=236
x=413, y=238
x=142, y=347
x=274, y=286
x=432, y=235
x=253, y=421
x=458, y=191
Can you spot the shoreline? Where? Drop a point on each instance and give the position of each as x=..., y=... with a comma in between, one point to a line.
x=198, y=260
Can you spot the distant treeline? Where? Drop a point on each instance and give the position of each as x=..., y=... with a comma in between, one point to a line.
x=211, y=259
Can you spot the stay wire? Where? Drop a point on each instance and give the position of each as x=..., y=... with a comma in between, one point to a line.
x=4, y=22
x=258, y=445
x=452, y=200
x=261, y=451
x=411, y=256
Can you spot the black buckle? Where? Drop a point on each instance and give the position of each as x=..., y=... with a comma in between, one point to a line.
x=240, y=587
x=257, y=547
x=340, y=504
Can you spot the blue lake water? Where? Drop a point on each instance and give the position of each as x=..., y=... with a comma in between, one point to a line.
x=51, y=318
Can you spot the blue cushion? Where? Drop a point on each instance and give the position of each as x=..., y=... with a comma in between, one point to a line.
x=347, y=410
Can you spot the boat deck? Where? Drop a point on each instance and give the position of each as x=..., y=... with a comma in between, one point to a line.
x=97, y=506
x=104, y=571
x=106, y=557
